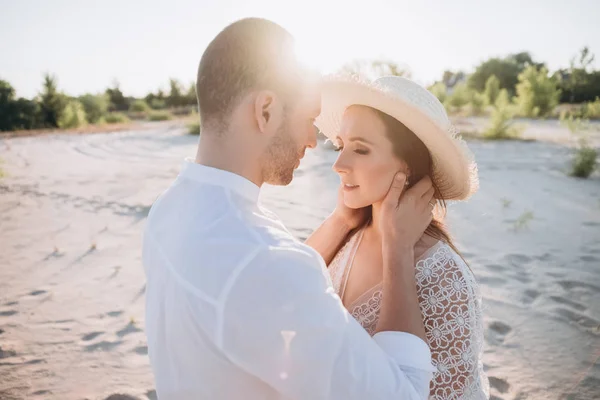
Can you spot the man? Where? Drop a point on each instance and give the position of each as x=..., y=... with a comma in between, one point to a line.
x=236, y=307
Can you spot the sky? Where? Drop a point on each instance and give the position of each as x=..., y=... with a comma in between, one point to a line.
x=142, y=43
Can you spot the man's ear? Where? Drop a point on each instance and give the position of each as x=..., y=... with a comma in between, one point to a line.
x=268, y=111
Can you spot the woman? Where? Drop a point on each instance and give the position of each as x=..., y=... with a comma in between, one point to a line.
x=381, y=128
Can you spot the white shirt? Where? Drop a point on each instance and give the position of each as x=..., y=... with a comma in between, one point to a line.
x=236, y=308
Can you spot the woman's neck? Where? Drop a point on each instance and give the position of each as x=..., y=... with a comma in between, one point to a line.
x=374, y=229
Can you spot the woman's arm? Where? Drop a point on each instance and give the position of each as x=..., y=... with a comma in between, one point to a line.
x=331, y=234
x=329, y=237
x=451, y=305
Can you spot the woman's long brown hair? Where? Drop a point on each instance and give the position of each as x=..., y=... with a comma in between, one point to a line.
x=409, y=148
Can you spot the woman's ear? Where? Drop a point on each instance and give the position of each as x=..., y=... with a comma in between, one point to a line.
x=268, y=112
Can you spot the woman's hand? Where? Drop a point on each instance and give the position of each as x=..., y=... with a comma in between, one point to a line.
x=405, y=214
x=350, y=217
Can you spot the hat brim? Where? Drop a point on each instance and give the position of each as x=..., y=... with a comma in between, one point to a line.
x=454, y=170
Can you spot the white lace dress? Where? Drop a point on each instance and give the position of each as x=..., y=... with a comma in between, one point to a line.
x=451, y=307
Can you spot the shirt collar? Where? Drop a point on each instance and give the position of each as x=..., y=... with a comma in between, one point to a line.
x=219, y=177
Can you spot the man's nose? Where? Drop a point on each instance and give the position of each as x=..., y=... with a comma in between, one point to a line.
x=312, y=138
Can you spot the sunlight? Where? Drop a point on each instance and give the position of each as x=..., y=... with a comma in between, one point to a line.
x=315, y=56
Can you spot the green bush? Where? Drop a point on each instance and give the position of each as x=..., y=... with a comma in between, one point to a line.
x=95, y=106
x=139, y=106
x=492, y=90
x=439, y=90
x=458, y=98
x=194, y=128
x=585, y=159
x=537, y=93
x=73, y=116
x=501, y=124
x=584, y=162
x=115, y=118
x=477, y=103
x=160, y=116
x=16, y=114
x=591, y=110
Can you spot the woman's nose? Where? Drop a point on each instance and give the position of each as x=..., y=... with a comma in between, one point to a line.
x=341, y=165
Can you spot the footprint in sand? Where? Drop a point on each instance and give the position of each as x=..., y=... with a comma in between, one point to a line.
x=129, y=328
x=11, y=303
x=545, y=257
x=7, y=353
x=492, y=281
x=589, y=258
x=523, y=277
x=583, y=321
x=120, y=396
x=37, y=292
x=103, y=345
x=91, y=336
x=497, y=331
x=529, y=296
x=568, y=285
x=591, y=223
x=499, y=384
x=141, y=350
x=570, y=303
x=518, y=259
x=496, y=267
x=41, y=392
x=1, y=331
x=8, y=313
x=115, y=313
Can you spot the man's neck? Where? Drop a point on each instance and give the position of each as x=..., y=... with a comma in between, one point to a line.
x=225, y=154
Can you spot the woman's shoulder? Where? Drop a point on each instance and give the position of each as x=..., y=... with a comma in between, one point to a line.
x=440, y=262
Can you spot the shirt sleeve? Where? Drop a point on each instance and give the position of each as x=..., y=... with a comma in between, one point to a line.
x=283, y=323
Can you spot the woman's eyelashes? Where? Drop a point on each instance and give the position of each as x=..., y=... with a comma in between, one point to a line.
x=358, y=150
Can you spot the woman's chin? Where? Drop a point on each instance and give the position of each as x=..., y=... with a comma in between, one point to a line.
x=354, y=204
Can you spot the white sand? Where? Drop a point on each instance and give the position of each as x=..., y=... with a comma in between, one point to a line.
x=72, y=209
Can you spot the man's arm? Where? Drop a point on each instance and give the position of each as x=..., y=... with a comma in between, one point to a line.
x=329, y=237
x=283, y=324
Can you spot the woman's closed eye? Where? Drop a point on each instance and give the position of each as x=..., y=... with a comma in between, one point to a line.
x=362, y=152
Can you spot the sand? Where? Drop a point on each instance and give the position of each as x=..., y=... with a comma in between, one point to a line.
x=72, y=209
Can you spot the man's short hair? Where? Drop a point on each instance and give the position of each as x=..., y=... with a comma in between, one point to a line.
x=250, y=54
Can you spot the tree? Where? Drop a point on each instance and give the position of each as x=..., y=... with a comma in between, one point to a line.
x=537, y=93
x=117, y=102
x=52, y=103
x=506, y=69
x=190, y=96
x=175, y=98
x=579, y=83
x=16, y=113
x=95, y=106
x=451, y=79
x=492, y=89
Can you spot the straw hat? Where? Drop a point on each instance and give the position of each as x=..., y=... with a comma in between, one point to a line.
x=454, y=169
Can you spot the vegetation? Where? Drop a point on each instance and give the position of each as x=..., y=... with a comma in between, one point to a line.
x=537, y=92
x=160, y=116
x=585, y=158
x=501, y=123
x=530, y=91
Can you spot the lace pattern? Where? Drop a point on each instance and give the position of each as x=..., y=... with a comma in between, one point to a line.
x=451, y=306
